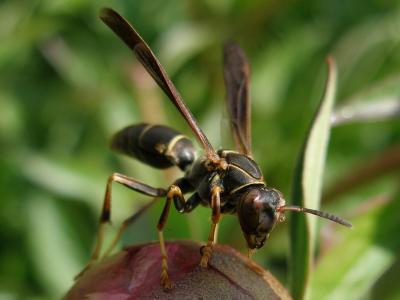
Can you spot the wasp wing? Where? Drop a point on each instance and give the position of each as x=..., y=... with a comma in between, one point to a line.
x=237, y=76
x=144, y=54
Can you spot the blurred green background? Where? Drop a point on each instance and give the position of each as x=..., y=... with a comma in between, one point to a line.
x=67, y=84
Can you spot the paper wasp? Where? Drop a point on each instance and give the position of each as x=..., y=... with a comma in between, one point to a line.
x=229, y=182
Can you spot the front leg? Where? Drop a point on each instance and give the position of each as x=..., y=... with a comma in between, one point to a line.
x=175, y=194
x=206, y=251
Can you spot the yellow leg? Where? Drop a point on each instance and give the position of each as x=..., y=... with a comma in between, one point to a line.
x=127, y=223
x=96, y=252
x=165, y=282
x=174, y=191
x=215, y=217
x=106, y=211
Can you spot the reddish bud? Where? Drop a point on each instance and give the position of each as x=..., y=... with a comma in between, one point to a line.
x=135, y=272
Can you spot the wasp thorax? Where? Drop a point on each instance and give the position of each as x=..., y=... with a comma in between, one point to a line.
x=257, y=211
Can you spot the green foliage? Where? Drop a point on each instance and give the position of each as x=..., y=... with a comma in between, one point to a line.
x=307, y=187
x=67, y=83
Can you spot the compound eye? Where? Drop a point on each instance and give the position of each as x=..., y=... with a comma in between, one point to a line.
x=267, y=220
x=248, y=212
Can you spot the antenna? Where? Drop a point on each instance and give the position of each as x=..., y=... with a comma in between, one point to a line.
x=318, y=213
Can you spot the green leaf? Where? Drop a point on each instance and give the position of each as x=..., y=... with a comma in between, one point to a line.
x=350, y=269
x=307, y=187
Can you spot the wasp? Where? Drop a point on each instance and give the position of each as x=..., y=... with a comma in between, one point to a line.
x=227, y=181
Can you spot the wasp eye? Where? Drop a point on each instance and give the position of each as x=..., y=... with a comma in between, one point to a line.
x=257, y=214
x=267, y=219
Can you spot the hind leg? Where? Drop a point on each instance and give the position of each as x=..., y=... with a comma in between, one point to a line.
x=130, y=183
x=127, y=222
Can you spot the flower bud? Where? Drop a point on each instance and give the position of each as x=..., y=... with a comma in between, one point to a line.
x=134, y=273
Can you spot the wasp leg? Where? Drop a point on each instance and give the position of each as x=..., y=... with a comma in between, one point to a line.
x=127, y=222
x=174, y=191
x=215, y=217
x=174, y=194
x=177, y=189
x=130, y=183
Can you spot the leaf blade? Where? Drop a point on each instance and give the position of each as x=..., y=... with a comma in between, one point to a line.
x=307, y=187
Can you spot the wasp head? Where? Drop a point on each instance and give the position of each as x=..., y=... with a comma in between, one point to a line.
x=258, y=212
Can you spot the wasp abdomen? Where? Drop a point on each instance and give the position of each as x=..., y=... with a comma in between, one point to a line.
x=156, y=145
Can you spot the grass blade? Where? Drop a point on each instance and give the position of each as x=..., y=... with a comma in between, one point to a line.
x=307, y=187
